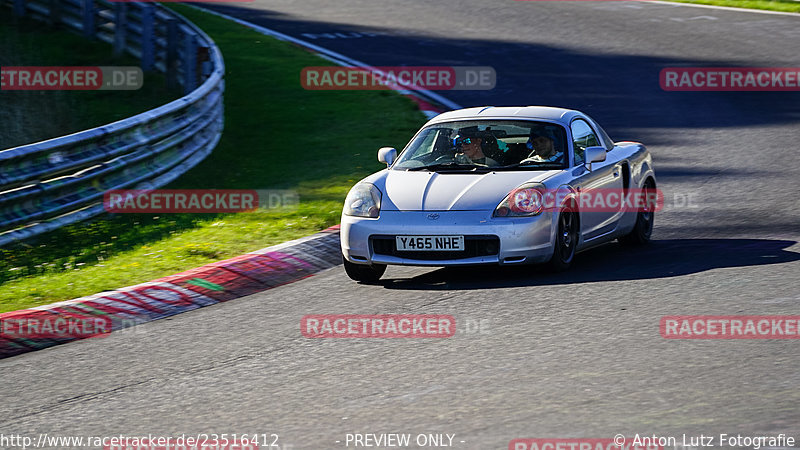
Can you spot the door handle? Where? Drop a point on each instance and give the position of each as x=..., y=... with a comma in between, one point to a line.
x=616, y=174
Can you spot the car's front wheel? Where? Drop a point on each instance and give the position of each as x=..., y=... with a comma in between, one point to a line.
x=362, y=272
x=566, y=240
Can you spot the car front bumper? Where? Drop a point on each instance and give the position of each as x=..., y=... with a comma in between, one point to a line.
x=520, y=239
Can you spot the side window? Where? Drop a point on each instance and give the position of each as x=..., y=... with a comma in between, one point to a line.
x=582, y=137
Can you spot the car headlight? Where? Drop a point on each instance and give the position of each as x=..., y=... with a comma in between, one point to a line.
x=525, y=200
x=364, y=200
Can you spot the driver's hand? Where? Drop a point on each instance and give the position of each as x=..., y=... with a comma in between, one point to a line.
x=461, y=158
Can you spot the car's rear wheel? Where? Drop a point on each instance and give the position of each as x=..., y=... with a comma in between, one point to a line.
x=641, y=232
x=566, y=240
x=362, y=272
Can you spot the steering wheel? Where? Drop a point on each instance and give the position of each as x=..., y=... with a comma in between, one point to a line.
x=443, y=158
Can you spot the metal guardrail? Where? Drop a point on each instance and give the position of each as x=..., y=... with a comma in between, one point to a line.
x=49, y=184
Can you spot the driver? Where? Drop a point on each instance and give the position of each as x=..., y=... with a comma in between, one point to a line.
x=543, y=149
x=469, y=142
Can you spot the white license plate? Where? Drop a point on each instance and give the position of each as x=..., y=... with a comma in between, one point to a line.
x=429, y=243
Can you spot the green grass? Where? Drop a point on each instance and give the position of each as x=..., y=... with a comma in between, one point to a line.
x=30, y=116
x=769, y=5
x=277, y=136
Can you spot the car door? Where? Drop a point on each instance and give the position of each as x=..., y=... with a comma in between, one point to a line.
x=598, y=216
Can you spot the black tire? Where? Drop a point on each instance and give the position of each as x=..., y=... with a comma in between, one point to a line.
x=640, y=235
x=566, y=240
x=363, y=273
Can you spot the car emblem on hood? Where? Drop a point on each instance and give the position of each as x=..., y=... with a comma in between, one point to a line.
x=433, y=217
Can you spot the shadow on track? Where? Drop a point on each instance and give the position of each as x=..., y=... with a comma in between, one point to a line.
x=612, y=262
x=618, y=87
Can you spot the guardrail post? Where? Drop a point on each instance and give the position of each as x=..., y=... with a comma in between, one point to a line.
x=19, y=7
x=203, y=63
x=148, y=37
x=173, y=42
x=189, y=59
x=120, y=28
x=88, y=19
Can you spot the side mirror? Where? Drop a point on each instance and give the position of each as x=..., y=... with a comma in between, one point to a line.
x=387, y=155
x=593, y=155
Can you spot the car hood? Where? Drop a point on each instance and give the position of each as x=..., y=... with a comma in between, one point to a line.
x=432, y=191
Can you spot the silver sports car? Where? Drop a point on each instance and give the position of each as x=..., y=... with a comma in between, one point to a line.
x=498, y=185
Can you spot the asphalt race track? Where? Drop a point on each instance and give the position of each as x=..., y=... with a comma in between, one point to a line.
x=569, y=355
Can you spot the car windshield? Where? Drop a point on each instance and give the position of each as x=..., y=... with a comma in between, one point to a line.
x=483, y=145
